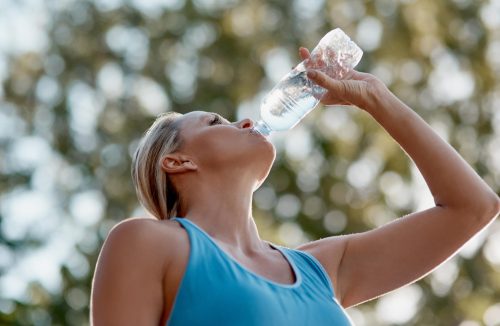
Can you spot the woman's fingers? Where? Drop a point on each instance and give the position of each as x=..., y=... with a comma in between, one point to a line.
x=324, y=81
x=304, y=53
x=347, y=92
x=356, y=75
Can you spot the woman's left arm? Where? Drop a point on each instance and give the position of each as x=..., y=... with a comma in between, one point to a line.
x=452, y=182
x=381, y=260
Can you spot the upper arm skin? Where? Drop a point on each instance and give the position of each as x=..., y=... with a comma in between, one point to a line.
x=329, y=252
x=381, y=260
x=127, y=284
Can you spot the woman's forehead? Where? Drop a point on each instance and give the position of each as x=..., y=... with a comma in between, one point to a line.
x=193, y=121
x=193, y=118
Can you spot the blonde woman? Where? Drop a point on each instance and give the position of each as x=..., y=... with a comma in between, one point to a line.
x=202, y=261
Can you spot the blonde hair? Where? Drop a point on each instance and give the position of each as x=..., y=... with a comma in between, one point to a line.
x=153, y=186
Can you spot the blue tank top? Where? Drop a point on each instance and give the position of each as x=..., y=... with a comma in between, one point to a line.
x=217, y=290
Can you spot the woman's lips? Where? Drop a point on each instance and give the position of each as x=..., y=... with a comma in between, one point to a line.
x=256, y=133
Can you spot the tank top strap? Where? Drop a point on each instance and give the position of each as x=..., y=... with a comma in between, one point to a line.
x=207, y=267
x=201, y=252
x=313, y=271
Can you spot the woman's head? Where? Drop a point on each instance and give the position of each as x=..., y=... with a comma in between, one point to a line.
x=179, y=151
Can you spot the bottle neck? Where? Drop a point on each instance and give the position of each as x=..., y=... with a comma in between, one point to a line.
x=262, y=128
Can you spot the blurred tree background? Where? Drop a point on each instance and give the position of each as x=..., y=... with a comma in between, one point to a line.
x=82, y=80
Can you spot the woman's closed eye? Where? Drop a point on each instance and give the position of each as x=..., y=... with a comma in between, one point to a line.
x=215, y=120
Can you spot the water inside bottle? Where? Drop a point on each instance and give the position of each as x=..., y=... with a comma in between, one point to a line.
x=290, y=100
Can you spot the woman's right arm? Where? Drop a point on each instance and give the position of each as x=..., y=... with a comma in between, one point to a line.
x=127, y=285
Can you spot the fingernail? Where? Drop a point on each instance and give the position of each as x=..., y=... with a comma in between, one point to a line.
x=311, y=73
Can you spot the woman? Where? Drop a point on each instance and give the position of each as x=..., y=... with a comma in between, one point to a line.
x=202, y=262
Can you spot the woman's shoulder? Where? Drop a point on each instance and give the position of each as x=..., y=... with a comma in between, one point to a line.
x=162, y=237
x=137, y=258
x=148, y=223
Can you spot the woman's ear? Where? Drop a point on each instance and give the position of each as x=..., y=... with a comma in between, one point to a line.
x=175, y=163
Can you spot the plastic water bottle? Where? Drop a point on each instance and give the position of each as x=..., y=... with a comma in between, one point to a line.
x=295, y=95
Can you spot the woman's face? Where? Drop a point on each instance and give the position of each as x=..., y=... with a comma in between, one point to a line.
x=219, y=145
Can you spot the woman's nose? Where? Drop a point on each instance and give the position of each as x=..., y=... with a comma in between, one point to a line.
x=246, y=123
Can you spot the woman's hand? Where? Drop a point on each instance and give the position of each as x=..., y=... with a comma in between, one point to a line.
x=357, y=88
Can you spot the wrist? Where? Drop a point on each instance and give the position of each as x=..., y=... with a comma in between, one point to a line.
x=379, y=97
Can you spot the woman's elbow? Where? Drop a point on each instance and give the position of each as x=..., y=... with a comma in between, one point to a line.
x=491, y=209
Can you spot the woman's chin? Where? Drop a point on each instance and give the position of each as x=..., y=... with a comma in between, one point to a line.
x=272, y=151
x=258, y=184
x=265, y=167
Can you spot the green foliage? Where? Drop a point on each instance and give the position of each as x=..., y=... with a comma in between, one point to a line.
x=87, y=95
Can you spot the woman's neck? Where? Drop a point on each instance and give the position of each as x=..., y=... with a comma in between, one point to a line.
x=224, y=211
